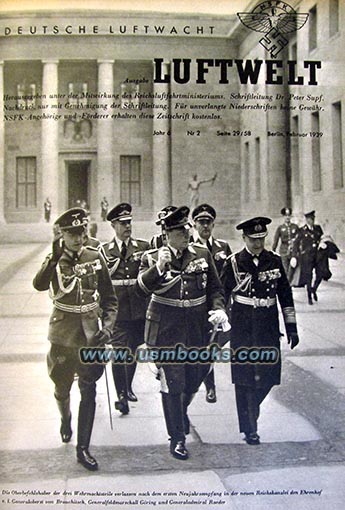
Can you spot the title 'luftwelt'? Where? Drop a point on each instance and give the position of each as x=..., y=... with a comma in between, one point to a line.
x=277, y=72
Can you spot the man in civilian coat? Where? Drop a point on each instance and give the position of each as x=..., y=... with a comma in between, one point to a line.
x=204, y=217
x=178, y=314
x=122, y=255
x=83, y=316
x=255, y=278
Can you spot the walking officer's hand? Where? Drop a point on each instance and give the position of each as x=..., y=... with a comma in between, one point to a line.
x=293, y=262
x=164, y=258
x=58, y=247
x=293, y=340
x=217, y=317
x=103, y=336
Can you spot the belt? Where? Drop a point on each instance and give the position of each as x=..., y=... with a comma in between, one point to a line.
x=76, y=308
x=255, y=302
x=124, y=283
x=180, y=303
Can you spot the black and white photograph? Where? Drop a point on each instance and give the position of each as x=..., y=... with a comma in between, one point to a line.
x=172, y=282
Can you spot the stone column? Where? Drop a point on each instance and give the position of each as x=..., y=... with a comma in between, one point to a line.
x=50, y=138
x=161, y=149
x=2, y=143
x=108, y=184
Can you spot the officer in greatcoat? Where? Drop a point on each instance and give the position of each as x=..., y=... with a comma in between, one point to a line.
x=204, y=219
x=186, y=295
x=83, y=316
x=305, y=254
x=284, y=236
x=123, y=254
x=255, y=278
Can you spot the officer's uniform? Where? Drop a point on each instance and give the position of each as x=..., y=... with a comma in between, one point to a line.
x=123, y=264
x=220, y=250
x=177, y=314
x=255, y=283
x=83, y=297
x=305, y=249
x=286, y=234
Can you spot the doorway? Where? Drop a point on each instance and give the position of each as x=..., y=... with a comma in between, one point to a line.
x=78, y=183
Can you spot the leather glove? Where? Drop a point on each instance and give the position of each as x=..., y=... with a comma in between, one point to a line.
x=293, y=262
x=293, y=340
x=58, y=247
x=217, y=317
x=103, y=336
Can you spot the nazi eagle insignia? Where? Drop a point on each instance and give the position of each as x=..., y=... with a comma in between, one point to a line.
x=274, y=18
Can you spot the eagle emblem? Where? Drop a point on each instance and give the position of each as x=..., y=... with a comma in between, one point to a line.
x=273, y=18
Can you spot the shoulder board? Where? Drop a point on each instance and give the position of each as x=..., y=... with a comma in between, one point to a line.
x=197, y=245
x=108, y=244
x=141, y=240
x=274, y=253
x=92, y=248
x=233, y=255
x=221, y=241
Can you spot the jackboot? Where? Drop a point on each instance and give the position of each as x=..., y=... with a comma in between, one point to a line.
x=85, y=424
x=310, y=299
x=120, y=381
x=130, y=371
x=66, y=417
x=186, y=400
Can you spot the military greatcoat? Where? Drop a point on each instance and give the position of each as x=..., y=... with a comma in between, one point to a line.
x=177, y=312
x=254, y=312
x=305, y=249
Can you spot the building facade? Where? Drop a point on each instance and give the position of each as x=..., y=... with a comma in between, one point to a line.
x=118, y=106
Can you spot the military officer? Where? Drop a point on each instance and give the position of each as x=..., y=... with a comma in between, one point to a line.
x=254, y=278
x=286, y=234
x=83, y=315
x=157, y=239
x=305, y=250
x=122, y=255
x=204, y=217
x=184, y=286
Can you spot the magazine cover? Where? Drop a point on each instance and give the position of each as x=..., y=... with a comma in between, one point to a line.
x=172, y=279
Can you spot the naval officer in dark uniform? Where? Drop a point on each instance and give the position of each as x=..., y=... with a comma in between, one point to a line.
x=83, y=316
x=204, y=218
x=305, y=252
x=181, y=306
x=255, y=278
x=123, y=254
x=285, y=235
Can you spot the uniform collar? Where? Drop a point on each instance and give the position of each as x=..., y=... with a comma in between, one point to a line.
x=73, y=254
x=199, y=239
x=119, y=242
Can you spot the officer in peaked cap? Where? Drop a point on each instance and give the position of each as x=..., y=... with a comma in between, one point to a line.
x=254, y=277
x=204, y=216
x=285, y=234
x=71, y=219
x=82, y=293
x=305, y=251
x=121, y=212
x=122, y=255
x=184, y=288
x=157, y=240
